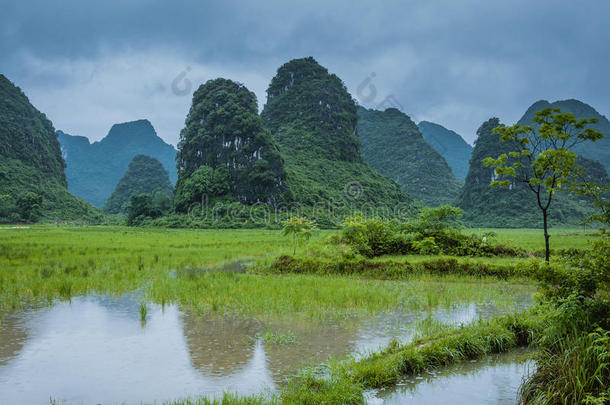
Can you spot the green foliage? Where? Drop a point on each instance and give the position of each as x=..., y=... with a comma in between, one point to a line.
x=226, y=399
x=469, y=342
x=203, y=183
x=311, y=389
x=30, y=206
x=573, y=365
x=542, y=159
x=375, y=236
x=591, y=183
x=393, y=145
x=223, y=129
x=600, y=150
x=27, y=135
x=397, y=269
x=145, y=175
x=8, y=209
x=513, y=206
x=94, y=169
x=299, y=228
x=316, y=104
x=450, y=145
x=434, y=231
x=142, y=207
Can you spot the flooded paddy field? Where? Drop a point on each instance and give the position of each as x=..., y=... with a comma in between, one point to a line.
x=98, y=349
x=115, y=315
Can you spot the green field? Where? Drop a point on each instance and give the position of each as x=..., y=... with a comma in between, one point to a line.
x=45, y=263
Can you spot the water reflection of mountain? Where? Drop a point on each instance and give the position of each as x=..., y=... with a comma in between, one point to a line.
x=13, y=335
x=219, y=346
x=224, y=346
x=315, y=343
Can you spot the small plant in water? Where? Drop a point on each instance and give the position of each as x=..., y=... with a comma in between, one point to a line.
x=143, y=312
x=278, y=338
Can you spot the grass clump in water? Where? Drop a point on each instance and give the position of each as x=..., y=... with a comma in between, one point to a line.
x=286, y=337
x=226, y=399
x=143, y=312
x=310, y=388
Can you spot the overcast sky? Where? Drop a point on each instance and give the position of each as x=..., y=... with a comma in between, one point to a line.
x=88, y=65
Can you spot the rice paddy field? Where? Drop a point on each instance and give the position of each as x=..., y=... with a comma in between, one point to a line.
x=163, y=314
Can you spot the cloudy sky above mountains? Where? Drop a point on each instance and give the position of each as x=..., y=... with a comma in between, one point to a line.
x=88, y=65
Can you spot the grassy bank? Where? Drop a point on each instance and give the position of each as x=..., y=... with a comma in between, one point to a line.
x=401, y=269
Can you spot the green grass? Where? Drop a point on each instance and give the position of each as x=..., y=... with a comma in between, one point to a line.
x=43, y=264
x=533, y=239
x=580, y=367
x=226, y=399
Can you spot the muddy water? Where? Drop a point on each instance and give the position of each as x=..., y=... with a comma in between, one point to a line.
x=97, y=350
x=492, y=380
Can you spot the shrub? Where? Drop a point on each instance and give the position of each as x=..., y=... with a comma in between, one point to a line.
x=30, y=206
x=436, y=230
x=573, y=365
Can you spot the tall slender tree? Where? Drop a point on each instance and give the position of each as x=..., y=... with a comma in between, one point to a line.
x=543, y=159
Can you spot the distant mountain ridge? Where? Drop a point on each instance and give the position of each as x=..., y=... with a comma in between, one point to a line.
x=393, y=145
x=599, y=150
x=31, y=161
x=450, y=145
x=94, y=169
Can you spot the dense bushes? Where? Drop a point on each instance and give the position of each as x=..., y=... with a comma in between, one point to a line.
x=573, y=365
x=144, y=207
x=435, y=231
x=27, y=208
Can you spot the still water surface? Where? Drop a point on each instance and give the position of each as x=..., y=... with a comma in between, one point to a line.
x=96, y=350
x=494, y=380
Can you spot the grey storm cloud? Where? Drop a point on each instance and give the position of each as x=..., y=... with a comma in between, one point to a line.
x=88, y=65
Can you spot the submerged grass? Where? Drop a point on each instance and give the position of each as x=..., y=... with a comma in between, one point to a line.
x=226, y=399
x=327, y=298
x=285, y=337
x=44, y=264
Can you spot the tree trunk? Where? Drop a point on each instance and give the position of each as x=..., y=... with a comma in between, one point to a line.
x=547, y=249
